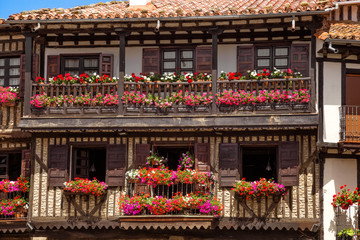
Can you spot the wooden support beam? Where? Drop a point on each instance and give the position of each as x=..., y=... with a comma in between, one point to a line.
x=28, y=70
x=214, y=63
x=122, y=34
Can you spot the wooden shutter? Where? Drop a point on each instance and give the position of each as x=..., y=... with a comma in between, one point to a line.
x=34, y=70
x=245, y=59
x=203, y=59
x=229, y=164
x=142, y=152
x=115, y=165
x=53, y=66
x=288, y=163
x=106, y=64
x=151, y=61
x=202, y=157
x=58, y=165
x=300, y=58
x=26, y=163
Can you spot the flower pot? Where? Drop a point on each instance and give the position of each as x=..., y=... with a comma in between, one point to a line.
x=227, y=108
x=9, y=104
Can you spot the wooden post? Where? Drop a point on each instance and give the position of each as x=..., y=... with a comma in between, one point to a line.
x=121, y=33
x=28, y=70
x=313, y=70
x=214, y=64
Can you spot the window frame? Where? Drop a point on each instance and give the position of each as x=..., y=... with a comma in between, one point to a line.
x=272, y=57
x=81, y=57
x=178, y=59
x=7, y=68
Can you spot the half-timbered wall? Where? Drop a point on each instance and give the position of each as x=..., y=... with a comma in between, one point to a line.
x=10, y=117
x=302, y=202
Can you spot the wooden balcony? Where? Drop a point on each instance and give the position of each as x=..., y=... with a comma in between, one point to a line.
x=350, y=124
x=163, y=90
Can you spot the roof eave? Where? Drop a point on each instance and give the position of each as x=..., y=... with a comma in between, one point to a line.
x=192, y=18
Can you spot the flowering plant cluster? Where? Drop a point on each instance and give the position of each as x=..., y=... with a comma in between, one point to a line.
x=276, y=73
x=86, y=186
x=83, y=78
x=264, y=96
x=183, y=98
x=88, y=99
x=155, y=160
x=186, y=161
x=8, y=94
x=20, y=185
x=164, y=176
x=259, y=188
x=158, y=205
x=168, y=77
x=346, y=198
x=231, y=76
x=7, y=206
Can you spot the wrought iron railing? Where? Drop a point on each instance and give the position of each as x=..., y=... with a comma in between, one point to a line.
x=350, y=123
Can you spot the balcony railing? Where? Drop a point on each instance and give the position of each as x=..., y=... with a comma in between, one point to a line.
x=163, y=90
x=19, y=212
x=350, y=123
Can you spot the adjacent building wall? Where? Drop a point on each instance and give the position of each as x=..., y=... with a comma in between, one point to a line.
x=337, y=172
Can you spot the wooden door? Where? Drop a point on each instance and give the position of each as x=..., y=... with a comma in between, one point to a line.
x=352, y=108
x=81, y=163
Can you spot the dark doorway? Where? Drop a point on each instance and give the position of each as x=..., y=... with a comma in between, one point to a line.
x=259, y=162
x=90, y=163
x=173, y=154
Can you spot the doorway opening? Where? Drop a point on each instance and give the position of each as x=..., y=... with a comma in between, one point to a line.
x=259, y=162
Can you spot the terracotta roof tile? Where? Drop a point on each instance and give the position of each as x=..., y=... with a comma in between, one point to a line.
x=340, y=30
x=175, y=8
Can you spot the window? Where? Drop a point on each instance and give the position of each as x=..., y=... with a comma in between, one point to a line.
x=90, y=163
x=76, y=65
x=10, y=71
x=272, y=57
x=279, y=161
x=259, y=162
x=174, y=60
x=10, y=166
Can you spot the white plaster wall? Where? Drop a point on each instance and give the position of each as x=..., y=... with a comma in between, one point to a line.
x=227, y=55
x=133, y=60
x=332, y=101
x=337, y=172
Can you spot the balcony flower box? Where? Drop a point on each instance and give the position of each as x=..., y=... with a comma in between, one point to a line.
x=85, y=186
x=257, y=189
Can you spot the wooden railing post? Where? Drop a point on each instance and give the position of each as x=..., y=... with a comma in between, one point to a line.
x=122, y=34
x=28, y=70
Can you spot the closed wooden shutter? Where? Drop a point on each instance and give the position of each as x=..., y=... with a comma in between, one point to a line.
x=34, y=70
x=151, y=61
x=229, y=164
x=203, y=59
x=106, y=64
x=26, y=163
x=245, y=59
x=115, y=165
x=300, y=58
x=288, y=163
x=202, y=157
x=142, y=152
x=53, y=66
x=58, y=165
